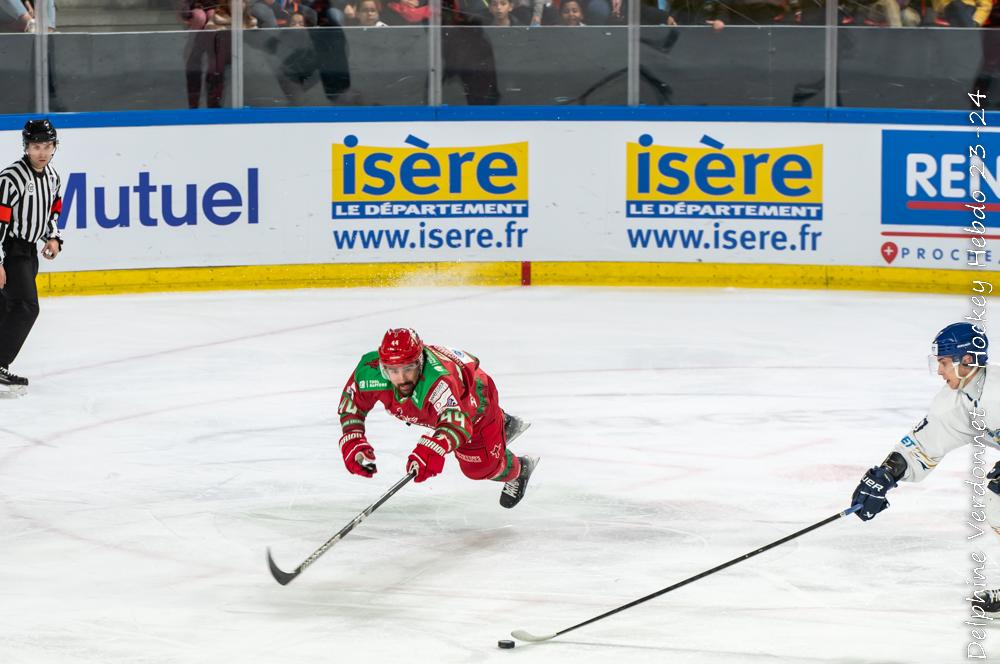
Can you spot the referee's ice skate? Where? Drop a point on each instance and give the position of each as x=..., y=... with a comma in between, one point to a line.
x=12, y=385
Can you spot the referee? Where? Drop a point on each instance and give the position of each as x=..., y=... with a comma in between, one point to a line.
x=29, y=208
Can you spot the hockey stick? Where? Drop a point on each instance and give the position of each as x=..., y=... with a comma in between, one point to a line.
x=522, y=635
x=284, y=578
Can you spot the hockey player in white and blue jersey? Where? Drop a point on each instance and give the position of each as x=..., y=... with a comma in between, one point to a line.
x=965, y=411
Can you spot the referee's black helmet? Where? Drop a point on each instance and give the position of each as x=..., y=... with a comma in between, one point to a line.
x=38, y=131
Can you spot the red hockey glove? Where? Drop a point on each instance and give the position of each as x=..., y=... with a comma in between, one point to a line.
x=426, y=459
x=359, y=456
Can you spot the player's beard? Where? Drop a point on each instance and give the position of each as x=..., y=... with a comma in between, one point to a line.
x=406, y=389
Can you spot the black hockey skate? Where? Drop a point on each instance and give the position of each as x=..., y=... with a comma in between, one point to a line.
x=12, y=384
x=514, y=490
x=8, y=378
x=513, y=426
x=991, y=601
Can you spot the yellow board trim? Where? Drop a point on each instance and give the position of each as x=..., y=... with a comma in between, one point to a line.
x=341, y=275
x=725, y=275
x=260, y=277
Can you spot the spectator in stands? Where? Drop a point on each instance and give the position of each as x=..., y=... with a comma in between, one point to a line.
x=51, y=14
x=309, y=11
x=989, y=71
x=961, y=13
x=883, y=12
x=604, y=12
x=615, y=12
x=894, y=13
x=467, y=55
x=195, y=14
x=210, y=53
x=501, y=12
x=285, y=9
x=263, y=11
x=868, y=12
x=694, y=12
x=523, y=12
x=407, y=12
x=908, y=14
x=751, y=12
x=222, y=18
x=277, y=13
x=297, y=20
x=15, y=17
x=529, y=12
x=571, y=13
x=335, y=12
x=368, y=14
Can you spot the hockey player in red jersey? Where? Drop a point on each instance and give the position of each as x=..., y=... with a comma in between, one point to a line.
x=446, y=391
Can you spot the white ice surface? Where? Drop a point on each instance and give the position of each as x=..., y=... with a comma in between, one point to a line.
x=169, y=439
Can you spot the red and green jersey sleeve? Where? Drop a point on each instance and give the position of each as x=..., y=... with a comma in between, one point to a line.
x=454, y=422
x=361, y=393
x=448, y=399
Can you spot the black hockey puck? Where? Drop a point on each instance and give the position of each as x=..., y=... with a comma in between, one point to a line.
x=505, y=644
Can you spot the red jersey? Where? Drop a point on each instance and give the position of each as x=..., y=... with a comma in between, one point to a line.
x=450, y=395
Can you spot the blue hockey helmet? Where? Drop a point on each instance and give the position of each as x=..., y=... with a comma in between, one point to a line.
x=958, y=340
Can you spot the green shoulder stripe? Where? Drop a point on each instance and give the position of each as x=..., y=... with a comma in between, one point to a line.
x=433, y=369
x=368, y=376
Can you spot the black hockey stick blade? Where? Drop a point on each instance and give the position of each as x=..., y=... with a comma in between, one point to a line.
x=281, y=576
x=284, y=578
x=523, y=635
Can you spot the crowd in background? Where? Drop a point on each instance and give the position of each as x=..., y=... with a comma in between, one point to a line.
x=19, y=15
x=209, y=55
x=199, y=14
x=303, y=66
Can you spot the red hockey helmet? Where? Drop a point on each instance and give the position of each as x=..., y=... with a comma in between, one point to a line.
x=400, y=345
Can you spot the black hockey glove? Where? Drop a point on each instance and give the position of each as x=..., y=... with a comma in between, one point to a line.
x=871, y=491
x=994, y=479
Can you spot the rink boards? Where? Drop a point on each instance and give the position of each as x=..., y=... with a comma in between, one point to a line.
x=735, y=197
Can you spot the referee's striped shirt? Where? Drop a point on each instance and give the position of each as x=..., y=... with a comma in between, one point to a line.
x=29, y=203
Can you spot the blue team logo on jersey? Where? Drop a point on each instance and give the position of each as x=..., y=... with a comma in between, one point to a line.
x=930, y=178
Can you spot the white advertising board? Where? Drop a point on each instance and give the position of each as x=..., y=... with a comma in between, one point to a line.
x=725, y=192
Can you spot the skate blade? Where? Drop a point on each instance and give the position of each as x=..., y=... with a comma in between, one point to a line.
x=13, y=391
x=519, y=427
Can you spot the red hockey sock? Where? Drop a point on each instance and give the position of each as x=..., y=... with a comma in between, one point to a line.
x=510, y=470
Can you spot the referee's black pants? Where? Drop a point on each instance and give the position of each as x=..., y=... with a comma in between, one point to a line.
x=19, y=298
